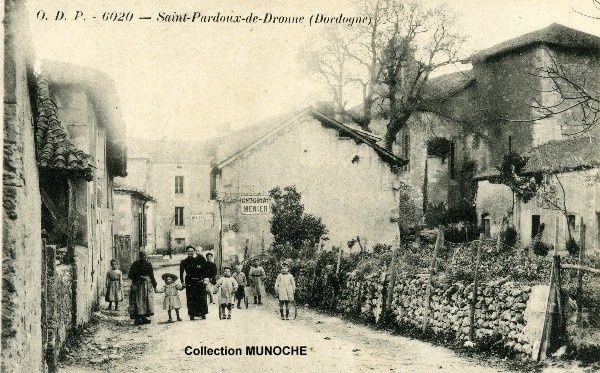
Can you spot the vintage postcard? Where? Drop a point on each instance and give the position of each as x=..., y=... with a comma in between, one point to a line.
x=272, y=186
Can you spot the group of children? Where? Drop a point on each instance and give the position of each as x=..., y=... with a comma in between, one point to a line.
x=228, y=289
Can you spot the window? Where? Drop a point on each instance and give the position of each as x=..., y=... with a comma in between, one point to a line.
x=509, y=144
x=179, y=216
x=571, y=222
x=487, y=225
x=535, y=225
x=178, y=184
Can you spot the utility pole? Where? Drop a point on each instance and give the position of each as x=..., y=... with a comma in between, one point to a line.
x=220, y=248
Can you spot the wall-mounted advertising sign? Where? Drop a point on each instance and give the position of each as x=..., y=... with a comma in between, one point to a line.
x=255, y=204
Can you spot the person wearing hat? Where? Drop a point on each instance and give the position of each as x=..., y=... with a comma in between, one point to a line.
x=171, y=290
x=191, y=272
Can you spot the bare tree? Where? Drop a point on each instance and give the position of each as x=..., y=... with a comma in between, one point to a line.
x=420, y=40
x=327, y=60
x=391, y=59
x=567, y=94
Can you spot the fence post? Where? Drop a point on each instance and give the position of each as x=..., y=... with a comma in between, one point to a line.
x=475, y=286
x=579, y=292
x=50, y=304
x=387, y=305
x=438, y=242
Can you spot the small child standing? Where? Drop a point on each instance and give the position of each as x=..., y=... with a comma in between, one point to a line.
x=226, y=287
x=285, y=286
x=171, y=290
x=240, y=278
x=114, y=285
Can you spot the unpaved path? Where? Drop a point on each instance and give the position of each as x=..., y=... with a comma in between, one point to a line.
x=334, y=345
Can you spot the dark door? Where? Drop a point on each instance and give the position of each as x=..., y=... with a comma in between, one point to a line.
x=535, y=225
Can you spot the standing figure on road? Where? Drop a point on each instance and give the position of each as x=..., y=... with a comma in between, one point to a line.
x=285, y=286
x=240, y=278
x=171, y=290
x=211, y=274
x=140, y=294
x=191, y=271
x=226, y=287
x=114, y=285
x=257, y=275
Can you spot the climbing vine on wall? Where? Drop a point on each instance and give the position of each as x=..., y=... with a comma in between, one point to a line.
x=511, y=174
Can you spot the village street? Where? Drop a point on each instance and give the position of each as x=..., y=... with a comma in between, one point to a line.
x=115, y=345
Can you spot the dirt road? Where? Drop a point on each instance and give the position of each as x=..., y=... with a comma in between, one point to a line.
x=115, y=345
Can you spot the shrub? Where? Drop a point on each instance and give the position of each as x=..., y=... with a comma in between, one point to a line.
x=508, y=237
x=540, y=248
x=462, y=211
x=572, y=246
x=458, y=233
x=435, y=215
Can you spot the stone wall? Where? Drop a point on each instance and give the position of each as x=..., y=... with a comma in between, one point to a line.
x=501, y=311
x=22, y=243
x=64, y=305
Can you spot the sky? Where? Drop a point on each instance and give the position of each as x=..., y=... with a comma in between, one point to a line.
x=191, y=81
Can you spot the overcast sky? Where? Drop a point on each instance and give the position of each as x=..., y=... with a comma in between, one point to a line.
x=187, y=80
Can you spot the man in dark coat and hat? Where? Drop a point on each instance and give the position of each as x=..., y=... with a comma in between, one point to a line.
x=192, y=275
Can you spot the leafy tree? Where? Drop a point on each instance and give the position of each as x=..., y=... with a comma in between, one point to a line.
x=294, y=231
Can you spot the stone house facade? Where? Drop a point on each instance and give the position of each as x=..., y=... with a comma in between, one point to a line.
x=344, y=177
x=21, y=338
x=62, y=147
x=174, y=173
x=496, y=107
x=134, y=224
x=523, y=126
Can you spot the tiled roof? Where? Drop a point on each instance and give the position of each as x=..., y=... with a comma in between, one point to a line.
x=140, y=194
x=54, y=148
x=555, y=34
x=296, y=117
x=564, y=155
x=103, y=94
x=447, y=85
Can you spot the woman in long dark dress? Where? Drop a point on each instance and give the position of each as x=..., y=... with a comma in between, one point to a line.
x=191, y=271
x=140, y=296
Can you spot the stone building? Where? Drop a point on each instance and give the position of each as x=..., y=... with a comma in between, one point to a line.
x=517, y=97
x=344, y=177
x=81, y=150
x=497, y=107
x=22, y=345
x=62, y=148
x=175, y=174
x=134, y=227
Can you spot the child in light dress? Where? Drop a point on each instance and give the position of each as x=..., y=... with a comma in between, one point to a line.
x=114, y=285
x=285, y=286
x=171, y=290
x=226, y=288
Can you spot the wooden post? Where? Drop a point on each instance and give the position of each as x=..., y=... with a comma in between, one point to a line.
x=339, y=259
x=553, y=311
x=475, y=287
x=499, y=238
x=579, y=291
x=438, y=242
x=387, y=305
x=556, y=235
x=314, y=274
